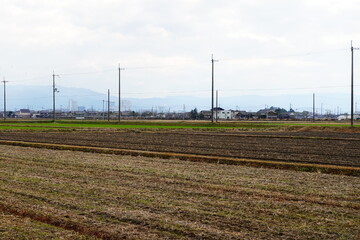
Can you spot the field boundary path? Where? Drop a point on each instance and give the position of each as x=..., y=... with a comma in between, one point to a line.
x=308, y=167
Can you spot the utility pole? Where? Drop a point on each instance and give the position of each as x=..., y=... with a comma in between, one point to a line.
x=108, y=105
x=217, y=105
x=119, y=117
x=321, y=111
x=4, y=98
x=355, y=107
x=352, y=83
x=313, y=107
x=212, y=87
x=183, y=112
x=103, y=110
x=54, y=91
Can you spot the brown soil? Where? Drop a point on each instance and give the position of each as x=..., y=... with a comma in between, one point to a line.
x=341, y=149
x=125, y=197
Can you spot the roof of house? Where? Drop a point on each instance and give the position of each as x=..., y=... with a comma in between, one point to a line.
x=24, y=111
x=206, y=112
x=242, y=113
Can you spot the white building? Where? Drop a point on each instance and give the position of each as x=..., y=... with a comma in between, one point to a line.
x=73, y=106
x=226, y=114
x=23, y=113
x=347, y=117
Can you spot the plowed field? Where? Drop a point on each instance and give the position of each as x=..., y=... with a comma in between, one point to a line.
x=341, y=149
x=53, y=194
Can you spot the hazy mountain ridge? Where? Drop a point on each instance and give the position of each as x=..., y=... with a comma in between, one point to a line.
x=40, y=97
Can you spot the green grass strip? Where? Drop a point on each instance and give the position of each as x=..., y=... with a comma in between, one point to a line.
x=163, y=124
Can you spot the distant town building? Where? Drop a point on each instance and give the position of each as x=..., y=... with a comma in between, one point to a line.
x=244, y=115
x=206, y=114
x=81, y=108
x=23, y=113
x=348, y=117
x=73, y=106
x=225, y=114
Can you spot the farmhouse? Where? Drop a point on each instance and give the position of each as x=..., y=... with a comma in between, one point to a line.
x=206, y=114
x=347, y=117
x=244, y=115
x=226, y=114
x=23, y=113
x=266, y=114
x=220, y=114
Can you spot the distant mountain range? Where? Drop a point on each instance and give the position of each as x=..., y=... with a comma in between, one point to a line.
x=40, y=97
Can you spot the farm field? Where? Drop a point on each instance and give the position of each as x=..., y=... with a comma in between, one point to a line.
x=316, y=147
x=172, y=124
x=57, y=194
x=76, y=194
x=15, y=227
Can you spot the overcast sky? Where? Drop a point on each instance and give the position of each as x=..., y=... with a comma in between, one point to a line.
x=264, y=47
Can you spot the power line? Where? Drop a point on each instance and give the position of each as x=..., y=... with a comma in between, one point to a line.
x=113, y=70
x=87, y=73
x=62, y=96
x=158, y=66
x=293, y=55
x=30, y=79
x=193, y=91
x=276, y=89
x=176, y=65
x=243, y=89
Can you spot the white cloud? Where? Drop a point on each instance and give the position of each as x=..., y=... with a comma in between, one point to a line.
x=69, y=36
x=253, y=63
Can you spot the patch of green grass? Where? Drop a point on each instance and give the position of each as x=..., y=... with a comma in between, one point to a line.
x=127, y=125
x=23, y=128
x=243, y=125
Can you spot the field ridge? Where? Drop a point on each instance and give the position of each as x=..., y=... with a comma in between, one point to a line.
x=342, y=170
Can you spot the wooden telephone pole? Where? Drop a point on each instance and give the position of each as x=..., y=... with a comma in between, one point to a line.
x=4, y=98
